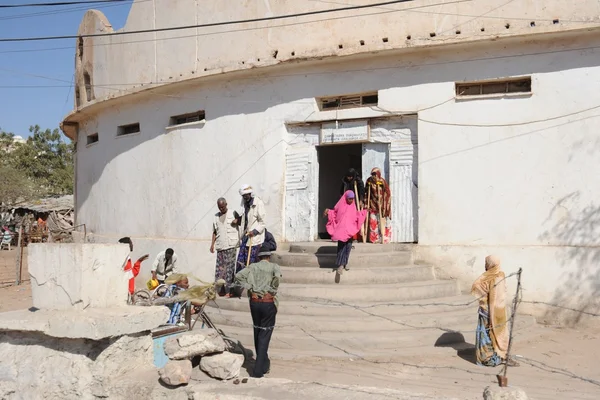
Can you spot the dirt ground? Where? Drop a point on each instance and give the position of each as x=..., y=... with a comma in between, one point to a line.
x=555, y=363
x=8, y=266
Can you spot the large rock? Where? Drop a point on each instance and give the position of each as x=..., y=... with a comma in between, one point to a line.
x=503, y=393
x=37, y=366
x=195, y=343
x=176, y=372
x=222, y=366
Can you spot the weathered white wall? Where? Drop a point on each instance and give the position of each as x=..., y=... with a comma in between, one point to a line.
x=507, y=174
x=77, y=276
x=134, y=62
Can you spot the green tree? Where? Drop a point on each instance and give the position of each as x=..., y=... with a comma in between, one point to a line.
x=14, y=186
x=41, y=166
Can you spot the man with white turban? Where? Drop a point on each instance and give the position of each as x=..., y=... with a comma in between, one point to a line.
x=251, y=223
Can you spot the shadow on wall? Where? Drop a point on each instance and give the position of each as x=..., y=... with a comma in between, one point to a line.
x=242, y=101
x=578, y=296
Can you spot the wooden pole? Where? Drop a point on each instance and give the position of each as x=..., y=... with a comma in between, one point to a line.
x=502, y=380
x=249, y=252
x=359, y=208
x=381, y=223
x=19, y=256
x=368, y=210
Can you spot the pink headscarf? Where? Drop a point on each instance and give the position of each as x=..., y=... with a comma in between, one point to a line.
x=344, y=221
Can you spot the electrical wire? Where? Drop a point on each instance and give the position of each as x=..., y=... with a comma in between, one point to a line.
x=241, y=29
x=480, y=16
x=60, y=3
x=207, y=25
x=64, y=11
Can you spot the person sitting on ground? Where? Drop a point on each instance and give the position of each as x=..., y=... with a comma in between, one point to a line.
x=7, y=237
x=132, y=270
x=174, y=285
x=164, y=265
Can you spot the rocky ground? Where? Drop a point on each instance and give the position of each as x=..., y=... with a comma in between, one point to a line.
x=8, y=263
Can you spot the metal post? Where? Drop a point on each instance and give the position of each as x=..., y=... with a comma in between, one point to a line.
x=504, y=382
x=19, y=256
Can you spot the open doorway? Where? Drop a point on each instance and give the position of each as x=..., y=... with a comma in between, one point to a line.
x=334, y=162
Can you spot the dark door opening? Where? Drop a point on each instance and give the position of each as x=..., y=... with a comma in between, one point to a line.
x=334, y=162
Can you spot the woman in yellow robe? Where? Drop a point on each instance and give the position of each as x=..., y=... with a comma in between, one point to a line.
x=491, y=341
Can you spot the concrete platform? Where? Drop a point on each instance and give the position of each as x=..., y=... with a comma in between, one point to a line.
x=328, y=247
x=93, y=323
x=328, y=260
x=324, y=307
x=401, y=342
x=367, y=321
x=359, y=275
x=383, y=292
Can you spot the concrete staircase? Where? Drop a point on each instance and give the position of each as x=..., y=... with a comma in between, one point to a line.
x=385, y=307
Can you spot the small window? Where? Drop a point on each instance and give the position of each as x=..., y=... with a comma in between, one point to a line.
x=77, y=96
x=91, y=139
x=518, y=85
x=187, y=118
x=89, y=90
x=128, y=129
x=348, y=101
x=80, y=47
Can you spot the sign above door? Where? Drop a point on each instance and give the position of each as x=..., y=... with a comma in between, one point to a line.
x=339, y=132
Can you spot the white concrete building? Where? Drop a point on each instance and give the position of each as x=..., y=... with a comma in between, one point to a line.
x=483, y=116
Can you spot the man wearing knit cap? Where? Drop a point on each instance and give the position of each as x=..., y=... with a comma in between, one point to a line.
x=261, y=280
x=251, y=223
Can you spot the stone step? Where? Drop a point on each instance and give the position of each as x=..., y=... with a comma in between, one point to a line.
x=367, y=321
x=329, y=260
x=358, y=275
x=382, y=292
x=393, y=343
x=321, y=307
x=328, y=247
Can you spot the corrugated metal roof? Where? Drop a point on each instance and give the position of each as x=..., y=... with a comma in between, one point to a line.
x=61, y=203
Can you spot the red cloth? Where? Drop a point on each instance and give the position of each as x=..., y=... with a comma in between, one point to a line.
x=135, y=270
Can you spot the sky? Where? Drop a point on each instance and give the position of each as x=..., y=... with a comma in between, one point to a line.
x=22, y=107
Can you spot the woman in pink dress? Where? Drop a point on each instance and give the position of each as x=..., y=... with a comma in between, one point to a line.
x=344, y=221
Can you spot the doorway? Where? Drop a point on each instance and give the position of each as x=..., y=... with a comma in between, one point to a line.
x=334, y=162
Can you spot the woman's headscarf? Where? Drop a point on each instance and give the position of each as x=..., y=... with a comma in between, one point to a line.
x=490, y=288
x=344, y=221
x=377, y=185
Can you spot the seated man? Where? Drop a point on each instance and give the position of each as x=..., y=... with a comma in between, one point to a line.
x=177, y=285
x=173, y=286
